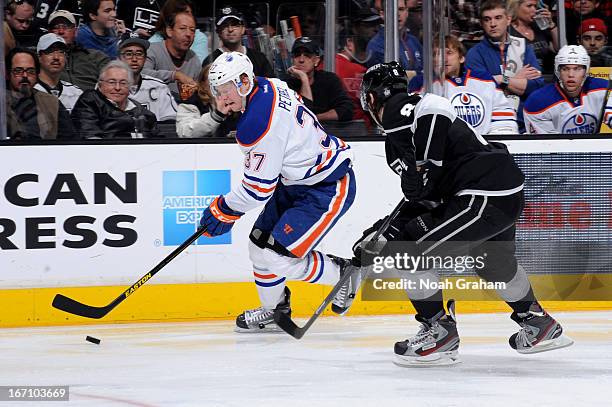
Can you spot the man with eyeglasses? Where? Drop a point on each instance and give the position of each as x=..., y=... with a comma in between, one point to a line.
x=52, y=56
x=82, y=66
x=108, y=111
x=149, y=91
x=230, y=29
x=322, y=91
x=32, y=115
x=19, y=16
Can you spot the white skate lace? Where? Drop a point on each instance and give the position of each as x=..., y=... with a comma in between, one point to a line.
x=257, y=315
x=424, y=335
x=522, y=338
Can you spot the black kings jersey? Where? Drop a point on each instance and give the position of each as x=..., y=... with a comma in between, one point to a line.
x=454, y=160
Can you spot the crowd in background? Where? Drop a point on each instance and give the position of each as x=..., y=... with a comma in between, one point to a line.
x=138, y=68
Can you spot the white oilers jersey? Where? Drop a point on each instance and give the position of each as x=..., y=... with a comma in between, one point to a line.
x=66, y=92
x=550, y=110
x=477, y=100
x=283, y=142
x=155, y=96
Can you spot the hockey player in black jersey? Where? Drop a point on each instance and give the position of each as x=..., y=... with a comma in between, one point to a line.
x=478, y=193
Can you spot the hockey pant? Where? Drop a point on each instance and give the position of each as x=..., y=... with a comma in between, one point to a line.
x=293, y=222
x=470, y=225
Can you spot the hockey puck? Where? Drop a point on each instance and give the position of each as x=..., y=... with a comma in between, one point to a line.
x=92, y=340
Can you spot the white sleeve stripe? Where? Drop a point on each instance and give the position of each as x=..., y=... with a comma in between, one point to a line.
x=431, y=129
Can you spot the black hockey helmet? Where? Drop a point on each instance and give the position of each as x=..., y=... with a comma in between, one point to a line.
x=382, y=81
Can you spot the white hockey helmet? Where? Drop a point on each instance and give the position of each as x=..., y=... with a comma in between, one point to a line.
x=572, y=55
x=231, y=67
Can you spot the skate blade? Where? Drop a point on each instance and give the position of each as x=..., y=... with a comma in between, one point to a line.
x=270, y=328
x=435, y=359
x=562, y=341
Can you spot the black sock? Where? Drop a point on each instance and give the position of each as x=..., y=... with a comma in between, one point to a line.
x=429, y=307
x=523, y=304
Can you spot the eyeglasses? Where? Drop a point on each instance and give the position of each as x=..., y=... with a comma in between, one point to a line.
x=131, y=54
x=21, y=71
x=113, y=82
x=62, y=27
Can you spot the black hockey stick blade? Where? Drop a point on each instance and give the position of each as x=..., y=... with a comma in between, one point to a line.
x=285, y=322
x=71, y=306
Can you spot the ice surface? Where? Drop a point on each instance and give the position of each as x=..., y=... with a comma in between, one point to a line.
x=340, y=362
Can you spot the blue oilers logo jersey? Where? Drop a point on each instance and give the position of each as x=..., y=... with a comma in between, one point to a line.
x=477, y=101
x=283, y=141
x=550, y=111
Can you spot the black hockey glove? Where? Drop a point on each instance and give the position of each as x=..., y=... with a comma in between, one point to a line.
x=412, y=180
x=365, y=249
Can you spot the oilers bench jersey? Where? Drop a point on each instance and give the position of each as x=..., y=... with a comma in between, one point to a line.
x=454, y=160
x=550, y=110
x=283, y=142
x=477, y=100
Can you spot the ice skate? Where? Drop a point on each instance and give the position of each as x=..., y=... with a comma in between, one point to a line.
x=539, y=332
x=345, y=297
x=436, y=343
x=261, y=319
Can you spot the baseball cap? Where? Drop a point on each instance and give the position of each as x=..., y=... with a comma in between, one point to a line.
x=593, y=24
x=306, y=43
x=134, y=41
x=63, y=14
x=367, y=15
x=226, y=13
x=46, y=41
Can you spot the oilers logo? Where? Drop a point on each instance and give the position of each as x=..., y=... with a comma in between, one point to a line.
x=469, y=107
x=579, y=123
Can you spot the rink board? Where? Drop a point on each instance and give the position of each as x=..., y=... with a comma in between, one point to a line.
x=88, y=220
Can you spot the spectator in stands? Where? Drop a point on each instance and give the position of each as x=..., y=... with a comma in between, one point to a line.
x=593, y=33
x=172, y=60
x=101, y=29
x=199, y=116
x=108, y=111
x=581, y=10
x=474, y=95
x=200, y=41
x=366, y=23
x=349, y=61
x=44, y=9
x=32, y=115
x=510, y=61
x=230, y=28
x=322, y=91
x=410, y=49
x=51, y=50
x=82, y=65
x=465, y=21
x=573, y=104
x=148, y=91
x=19, y=15
x=9, y=40
x=545, y=42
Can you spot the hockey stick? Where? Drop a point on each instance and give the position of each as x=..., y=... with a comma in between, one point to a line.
x=285, y=322
x=600, y=123
x=71, y=306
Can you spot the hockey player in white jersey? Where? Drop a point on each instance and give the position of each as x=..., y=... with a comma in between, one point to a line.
x=573, y=104
x=300, y=172
x=151, y=92
x=474, y=95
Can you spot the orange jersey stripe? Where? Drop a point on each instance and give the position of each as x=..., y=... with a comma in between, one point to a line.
x=264, y=276
x=503, y=114
x=260, y=189
x=328, y=218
